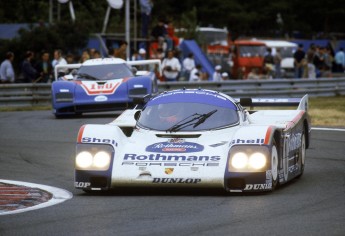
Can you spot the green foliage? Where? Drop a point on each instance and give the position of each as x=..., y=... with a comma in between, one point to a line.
x=189, y=24
x=70, y=37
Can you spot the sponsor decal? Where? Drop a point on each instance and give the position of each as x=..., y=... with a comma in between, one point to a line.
x=202, y=92
x=169, y=160
x=101, y=98
x=175, y=181
x=169, y=171
x=294, y=168
x=292, y=143
x=82, y=184
x=93, y=88
x=98, y=140
x=160, y=157
x=187, y=164
x=176, y=145
x=258, y=186
x=248, y=141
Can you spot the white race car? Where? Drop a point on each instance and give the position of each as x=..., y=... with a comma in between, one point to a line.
x=196, y=138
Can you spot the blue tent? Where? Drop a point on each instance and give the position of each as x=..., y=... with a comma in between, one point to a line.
x=190, y=46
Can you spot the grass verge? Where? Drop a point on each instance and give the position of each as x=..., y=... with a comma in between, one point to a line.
x=324, y=111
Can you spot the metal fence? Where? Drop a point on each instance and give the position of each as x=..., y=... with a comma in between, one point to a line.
x=23, y=95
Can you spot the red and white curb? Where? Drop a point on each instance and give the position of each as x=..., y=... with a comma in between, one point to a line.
x=18, y=197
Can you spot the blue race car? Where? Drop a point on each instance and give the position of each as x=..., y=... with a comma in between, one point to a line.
x=103, y=84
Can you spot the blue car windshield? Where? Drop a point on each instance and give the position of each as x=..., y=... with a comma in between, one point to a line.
x=104, y=72
x=184, y=116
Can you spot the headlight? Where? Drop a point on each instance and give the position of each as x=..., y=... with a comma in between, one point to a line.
x=93, y=157
x=248, y=158
x=101, y=160
x=239, y=160
x=84, y=160
x=257, y=160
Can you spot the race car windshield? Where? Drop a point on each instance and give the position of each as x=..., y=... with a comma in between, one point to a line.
x=174, y=117
x=104, y=72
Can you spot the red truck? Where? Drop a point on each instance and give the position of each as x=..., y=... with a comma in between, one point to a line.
x=237, y=57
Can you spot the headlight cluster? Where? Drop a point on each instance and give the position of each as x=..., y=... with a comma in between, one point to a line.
x=93, y=159
x=244, y=158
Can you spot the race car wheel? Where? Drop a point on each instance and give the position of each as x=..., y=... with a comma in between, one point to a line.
x=274, y=165
x=302, y=152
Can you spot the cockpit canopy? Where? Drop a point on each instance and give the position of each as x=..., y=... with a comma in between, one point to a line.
x=188, y=110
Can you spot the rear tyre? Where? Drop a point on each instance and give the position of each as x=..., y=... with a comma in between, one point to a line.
x=302, y=153
x=274, y=166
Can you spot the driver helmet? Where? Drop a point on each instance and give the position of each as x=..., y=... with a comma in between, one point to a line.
x=170, y=113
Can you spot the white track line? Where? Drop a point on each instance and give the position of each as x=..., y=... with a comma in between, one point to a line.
x=59, y=196
x=329, y=129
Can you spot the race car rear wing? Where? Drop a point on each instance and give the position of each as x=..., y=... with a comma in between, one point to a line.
x=67, y=67
x=300, y=103
x=156, y=62
x=64, y=69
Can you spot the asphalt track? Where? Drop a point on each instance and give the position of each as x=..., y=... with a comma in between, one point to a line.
x=37, y=148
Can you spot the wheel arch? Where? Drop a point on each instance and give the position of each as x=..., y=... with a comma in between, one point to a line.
x=306, y=129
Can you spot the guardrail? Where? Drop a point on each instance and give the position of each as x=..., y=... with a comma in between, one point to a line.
x=23, y=95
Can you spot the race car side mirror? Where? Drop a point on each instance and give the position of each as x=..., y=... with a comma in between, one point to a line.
x=137, y=115
x=134, y=70
x=74, y=72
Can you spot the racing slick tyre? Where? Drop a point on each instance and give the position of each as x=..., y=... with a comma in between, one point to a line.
x=274, y=165
x=302, y=152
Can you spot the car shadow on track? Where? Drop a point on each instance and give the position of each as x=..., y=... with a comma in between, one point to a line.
x=167, y=192
x=112, y=115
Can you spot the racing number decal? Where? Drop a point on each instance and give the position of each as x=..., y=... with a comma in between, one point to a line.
x=94, y=88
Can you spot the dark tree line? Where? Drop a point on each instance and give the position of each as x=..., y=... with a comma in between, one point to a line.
x=250, y=17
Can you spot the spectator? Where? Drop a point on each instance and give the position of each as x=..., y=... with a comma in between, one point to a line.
x=299, y=55
x=142, y=54
x=44, y=68
x=171, y=67
x=91, y=52
x=328, y=62
x=84, y=56
x=96, y=54
x=146, y=9
x=310, y=68
x=135, y=55
x=340, y=60
x=158, y=54
x=225, y=76
x=188, y=65
x=277, y=63
x=70, y=58
x=171, y=33
x=268, y=62
x=6, y=69
x=217, y=74
x=160, y=34
x=253, y=74
x=196, y=74
x=59, y=60
x=121, y=51
x=28, y=71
